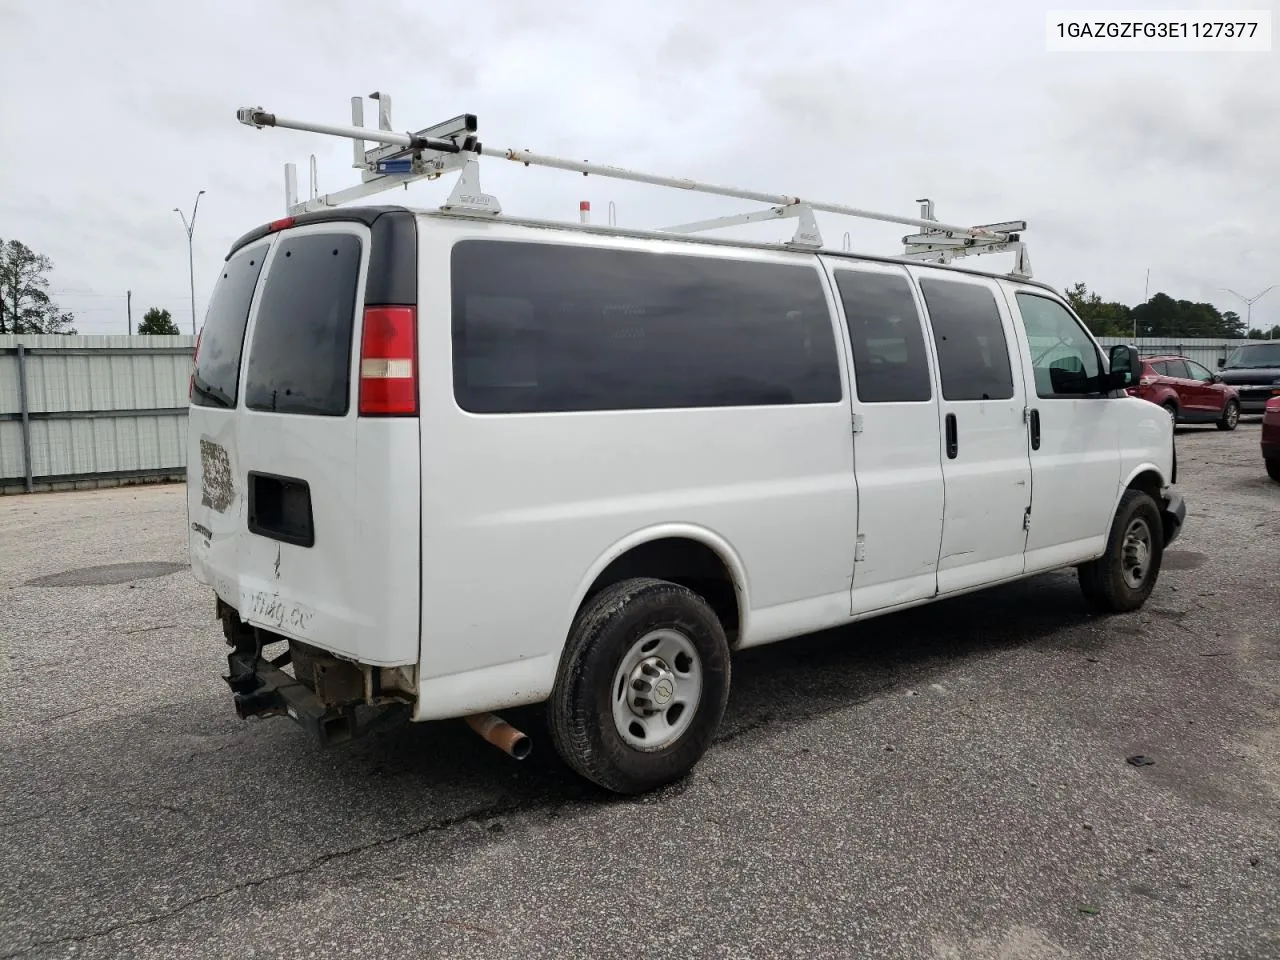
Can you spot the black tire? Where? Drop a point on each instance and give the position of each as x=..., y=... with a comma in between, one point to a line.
x=1273, y=470
x=580, y=709
x=1171, y=409
x=1106, y=582
x=1230, y=416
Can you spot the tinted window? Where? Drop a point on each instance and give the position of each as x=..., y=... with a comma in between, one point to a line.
x=1176, y=368
x=300, y=361
x=1062, y=355
x=889, y=357
x=972, y=355
x=1157, y=367
x=217, y=369
x=542, y=327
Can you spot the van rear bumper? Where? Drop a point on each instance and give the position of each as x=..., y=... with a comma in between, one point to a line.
x=261, y=689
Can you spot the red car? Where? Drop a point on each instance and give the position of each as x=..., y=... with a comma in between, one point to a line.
x=1271, y=437
x=1189, y=392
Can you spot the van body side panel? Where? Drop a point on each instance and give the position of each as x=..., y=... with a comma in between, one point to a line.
x=518, y=507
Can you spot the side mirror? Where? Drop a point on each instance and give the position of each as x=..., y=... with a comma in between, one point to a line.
x=1126, y=367
x=1222, y=362
x=1217, y=378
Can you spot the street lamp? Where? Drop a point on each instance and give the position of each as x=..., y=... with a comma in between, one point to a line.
x=191, y=259
x=1249, y=302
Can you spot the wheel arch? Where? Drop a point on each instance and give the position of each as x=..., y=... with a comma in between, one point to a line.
x=1147, y=478
x=692, y=555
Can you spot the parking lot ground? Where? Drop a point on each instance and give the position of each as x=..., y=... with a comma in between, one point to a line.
x=950, y=782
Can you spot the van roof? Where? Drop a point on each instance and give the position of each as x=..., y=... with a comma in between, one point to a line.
x=369, y=214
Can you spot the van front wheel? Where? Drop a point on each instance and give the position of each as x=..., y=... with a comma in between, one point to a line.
x=1121, y=579
x=642, y=686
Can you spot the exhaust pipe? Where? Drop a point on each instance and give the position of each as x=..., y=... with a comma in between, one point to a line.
x=501, y=734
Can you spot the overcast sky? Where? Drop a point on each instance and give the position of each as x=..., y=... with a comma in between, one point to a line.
x=115, y=114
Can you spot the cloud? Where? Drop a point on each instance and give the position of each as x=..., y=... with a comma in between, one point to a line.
x=1119, y=162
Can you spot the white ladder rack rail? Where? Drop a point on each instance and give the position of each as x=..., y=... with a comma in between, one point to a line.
x=452, y=146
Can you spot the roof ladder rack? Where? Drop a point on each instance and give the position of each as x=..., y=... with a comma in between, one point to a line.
x=452, y=146
x=945, y=245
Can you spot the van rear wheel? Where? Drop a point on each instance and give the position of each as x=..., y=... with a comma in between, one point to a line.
x=642, y=687
x=1121, y=579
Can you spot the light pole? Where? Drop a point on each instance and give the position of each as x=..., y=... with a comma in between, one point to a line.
x=1249, y=302
x=191, y=258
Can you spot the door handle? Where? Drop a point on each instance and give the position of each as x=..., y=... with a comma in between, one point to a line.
x=1035, y=429
x=953, y=442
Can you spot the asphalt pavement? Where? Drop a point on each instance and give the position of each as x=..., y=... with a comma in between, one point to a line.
x=951, y=782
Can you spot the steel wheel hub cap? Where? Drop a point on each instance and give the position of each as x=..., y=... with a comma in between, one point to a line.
x=656, y=689
x=1137, y=553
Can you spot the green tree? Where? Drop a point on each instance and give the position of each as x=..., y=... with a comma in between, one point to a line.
x=1272, y=334
x=1234, y=323
x=159, y=322
x=25, y=306
x=1103, y=318
x=1162, y=316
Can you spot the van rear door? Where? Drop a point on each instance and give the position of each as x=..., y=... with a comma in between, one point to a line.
x=305, y=513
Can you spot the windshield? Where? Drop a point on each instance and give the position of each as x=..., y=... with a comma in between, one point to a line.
x=1255, y=355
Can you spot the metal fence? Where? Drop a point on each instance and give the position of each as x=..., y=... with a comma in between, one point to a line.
x=83, y=412
x=1202, y=351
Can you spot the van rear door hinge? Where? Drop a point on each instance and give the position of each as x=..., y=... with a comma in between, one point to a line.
x=1026, y=519
x=857, y=424
x=860, y=548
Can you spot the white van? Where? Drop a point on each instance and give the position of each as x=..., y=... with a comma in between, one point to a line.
x=458, y=464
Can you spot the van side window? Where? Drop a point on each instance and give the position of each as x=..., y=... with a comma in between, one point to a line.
x=889, y=357
x=1063, y=356
x=300, y=360
x=973, y=356
x=217, y=369
x=541, y=327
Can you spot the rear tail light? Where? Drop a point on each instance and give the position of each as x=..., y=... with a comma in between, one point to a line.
x=1146, y=381
x=195, y=356
x=389, y=362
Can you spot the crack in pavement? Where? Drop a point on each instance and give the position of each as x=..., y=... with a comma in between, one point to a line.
x=158, y=626
x=497, y=810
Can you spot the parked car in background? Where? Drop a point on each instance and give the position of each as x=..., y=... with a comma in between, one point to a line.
x=1271, y=438
x=1254, y=370
x=1189, y=392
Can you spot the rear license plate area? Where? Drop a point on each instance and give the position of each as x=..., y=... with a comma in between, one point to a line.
x=280, y=508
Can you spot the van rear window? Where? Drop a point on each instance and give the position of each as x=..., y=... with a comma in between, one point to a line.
x=217, y=369
x=553, y=327
x=300, y=358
